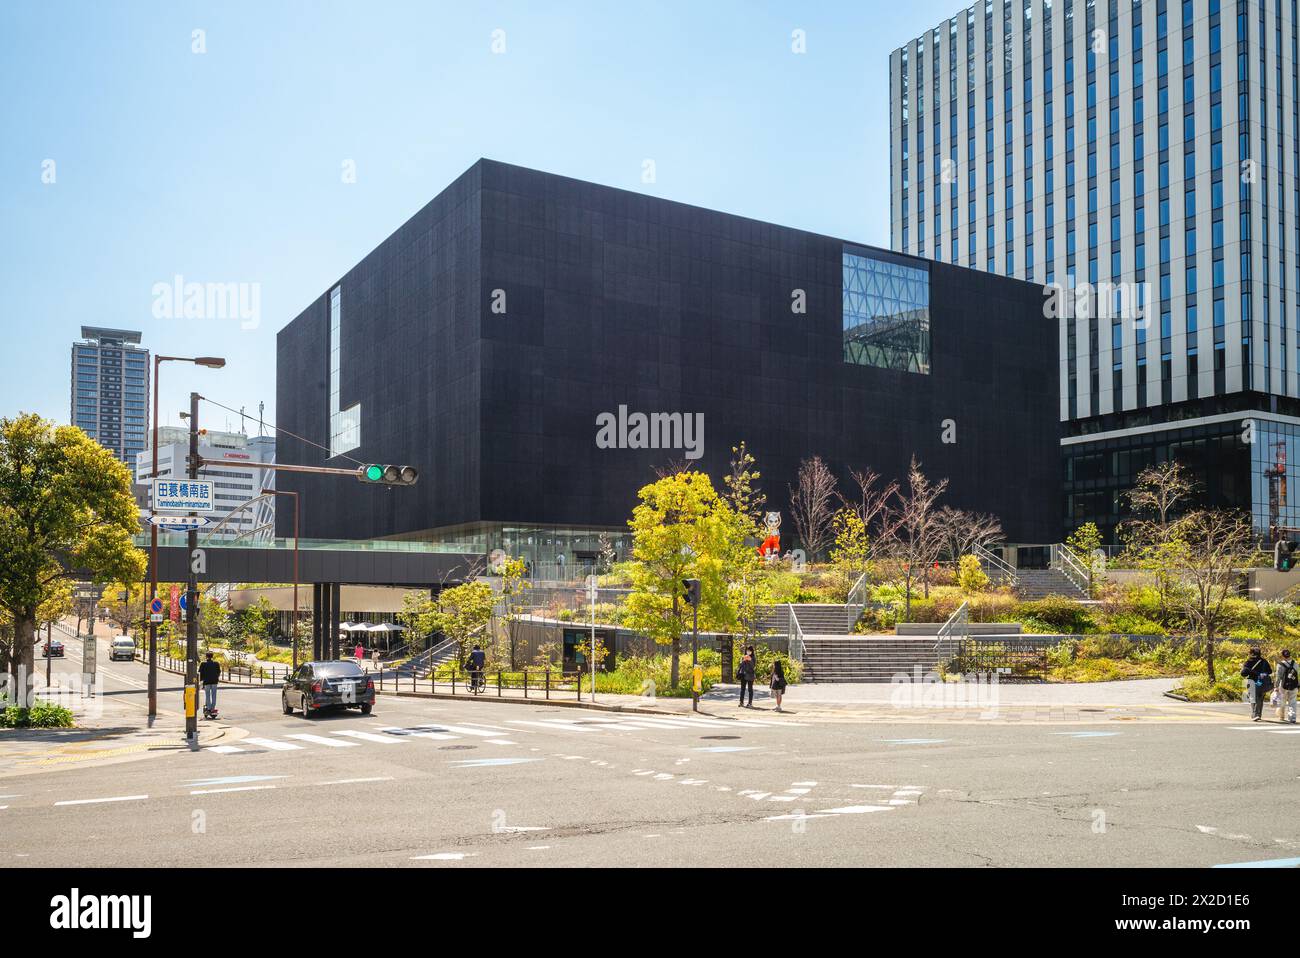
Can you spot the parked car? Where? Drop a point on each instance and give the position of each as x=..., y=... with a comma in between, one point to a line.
x=122, y=647
x=323, y=685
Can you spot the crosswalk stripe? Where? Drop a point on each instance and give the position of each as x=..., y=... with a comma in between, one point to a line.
x=460, y=729
x=273, y=744
x=223, y=749
x=557, y=726
x=370, y=737
x=321, y=740
x=419, y=733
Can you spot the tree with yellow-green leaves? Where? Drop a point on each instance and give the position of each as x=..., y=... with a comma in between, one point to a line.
x=682, y=529
x=851, y=553
x=65, y=509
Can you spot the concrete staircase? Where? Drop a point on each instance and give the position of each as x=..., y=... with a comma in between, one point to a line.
x=823, y=618
x=841, y=658
x=1040, y=583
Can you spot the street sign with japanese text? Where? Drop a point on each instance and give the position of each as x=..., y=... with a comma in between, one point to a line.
x=183, y=495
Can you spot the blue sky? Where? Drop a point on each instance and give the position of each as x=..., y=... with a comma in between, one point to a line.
x=227, y=166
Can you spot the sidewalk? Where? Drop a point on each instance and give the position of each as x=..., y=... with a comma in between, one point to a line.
x=885, y=703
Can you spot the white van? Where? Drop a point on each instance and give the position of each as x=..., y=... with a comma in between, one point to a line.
x=122, y=647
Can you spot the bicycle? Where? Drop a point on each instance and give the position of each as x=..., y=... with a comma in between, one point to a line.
x=477, y=682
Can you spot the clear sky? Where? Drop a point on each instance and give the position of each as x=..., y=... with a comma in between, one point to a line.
x=228, y=165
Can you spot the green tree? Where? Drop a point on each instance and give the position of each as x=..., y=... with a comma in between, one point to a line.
x=463, y=611
x=851, y=553
x=514, y=585
x=970, y=575
x=682, y=529
x=65, y=507
x=746, y=500
x=1084, y=542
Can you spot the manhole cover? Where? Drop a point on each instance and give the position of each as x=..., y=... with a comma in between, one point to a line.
x=718, y=738
x=455, y=748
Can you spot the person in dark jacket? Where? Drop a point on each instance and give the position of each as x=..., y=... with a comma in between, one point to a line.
x=1259, y=673
x=210, y=675
x=778, y=681
x=745, y=673
x=1288, y=680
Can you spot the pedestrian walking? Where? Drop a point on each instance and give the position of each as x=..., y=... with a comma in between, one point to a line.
x=1288, y=680
x=359, y=652
x=1259, y=674
x=778, y=681
x=374, y=658
x=746, y=675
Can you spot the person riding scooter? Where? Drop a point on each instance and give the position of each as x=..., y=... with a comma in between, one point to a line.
x=209, y=676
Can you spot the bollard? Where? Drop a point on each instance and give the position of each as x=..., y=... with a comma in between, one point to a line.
x=525, y=683
x=548, y=684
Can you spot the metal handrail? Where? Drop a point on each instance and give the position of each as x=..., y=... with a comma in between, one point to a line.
x=1065, y=562
x=794, y=634
x=954, y=627
x=428, y=664
x=998, y=565
x=857, y=599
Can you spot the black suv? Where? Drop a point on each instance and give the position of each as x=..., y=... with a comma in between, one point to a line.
x=324, y=685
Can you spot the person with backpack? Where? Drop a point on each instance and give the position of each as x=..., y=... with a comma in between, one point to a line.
x=777, y=682
x=1259, y=674
x=1288, y=680
x=745, y=673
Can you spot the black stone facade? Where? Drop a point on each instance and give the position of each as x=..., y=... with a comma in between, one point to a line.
x=616, y=298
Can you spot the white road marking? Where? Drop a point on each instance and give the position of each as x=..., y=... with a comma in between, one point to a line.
x=273, y=744
x=442, y=857
x=356, y=781
x=501, y=741
x=855, y=809
x=236, y=788
x=795, y=817
x=437, y=736
x=321, y=740
x=370, y=737
x=97, y=801
x=556, y=726
x=462, y=730
x=223, y=749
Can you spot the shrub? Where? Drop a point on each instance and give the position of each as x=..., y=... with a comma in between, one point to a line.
x=40, y=715
x=1197, y=688
x=1134, y=623
x=1063, y=614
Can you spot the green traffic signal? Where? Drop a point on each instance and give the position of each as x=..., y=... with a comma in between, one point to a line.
x=388, y=475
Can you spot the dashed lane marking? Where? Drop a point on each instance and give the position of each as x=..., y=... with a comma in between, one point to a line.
x=358, y=781
x=235, y=788
x=273, y=744
x=99, y=801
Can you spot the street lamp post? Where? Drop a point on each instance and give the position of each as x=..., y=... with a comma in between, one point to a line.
x=212, y=362
x=288, y=492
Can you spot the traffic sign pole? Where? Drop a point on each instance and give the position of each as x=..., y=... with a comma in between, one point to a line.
x=192, y=590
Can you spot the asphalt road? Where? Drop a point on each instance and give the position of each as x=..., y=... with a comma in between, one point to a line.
x=472, y=783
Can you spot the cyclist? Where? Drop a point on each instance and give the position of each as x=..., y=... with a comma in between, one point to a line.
x=477, y=661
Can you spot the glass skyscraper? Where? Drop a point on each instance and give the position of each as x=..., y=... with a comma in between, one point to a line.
x=1145, y=151
x=110, y=389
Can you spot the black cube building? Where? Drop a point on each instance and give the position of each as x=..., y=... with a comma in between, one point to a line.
x=505, y=339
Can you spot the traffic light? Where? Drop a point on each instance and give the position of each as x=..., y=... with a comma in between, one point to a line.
x=691, y=592
x=388, y=475
x=1284, y=555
